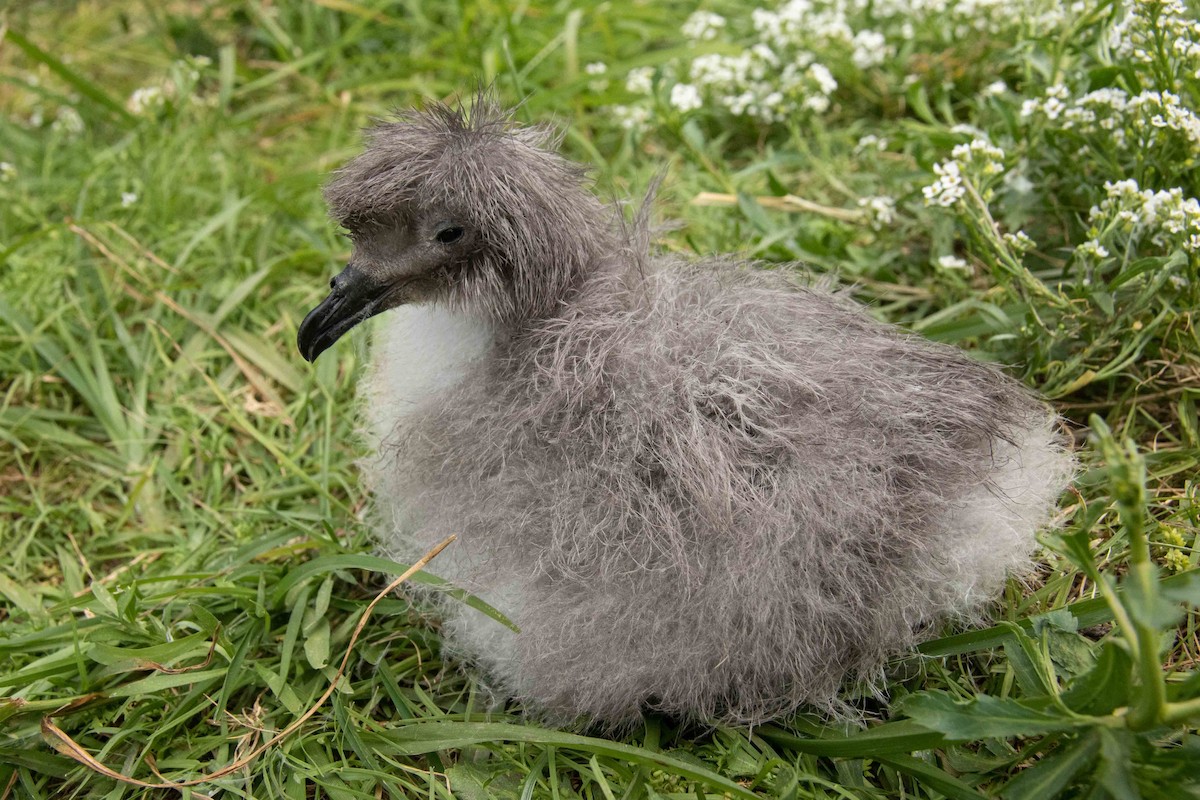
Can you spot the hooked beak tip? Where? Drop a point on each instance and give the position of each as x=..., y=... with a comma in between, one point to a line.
x=353, y=297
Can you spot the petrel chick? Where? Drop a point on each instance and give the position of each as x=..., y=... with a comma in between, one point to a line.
x=696, y=486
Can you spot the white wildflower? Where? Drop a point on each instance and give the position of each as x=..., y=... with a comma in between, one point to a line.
x=1020, y=241
x=685, y=97
x=995, y=89
x=948, y=189
x=763, y=53
x=632, y=118
x=952, y=262
x=146, y=100
x=870, y=142
x=68, y=121
x=824, y=78
x=1166, y=218
x=968, y=130
x=870, y=49
x=975, y=161
x=982, y=154
x=817, y=102
x=597, y=68
x=640, y=80
x=7, y=172
x=128, y=199
x=703, y=26
x=878, y=211
x=1092, y=250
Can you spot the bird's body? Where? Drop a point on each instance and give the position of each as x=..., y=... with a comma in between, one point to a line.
x=697, y=487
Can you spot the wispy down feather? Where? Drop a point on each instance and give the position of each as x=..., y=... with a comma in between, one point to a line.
x=703, y=488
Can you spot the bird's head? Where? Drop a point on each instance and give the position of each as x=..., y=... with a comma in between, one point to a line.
x=462, y=207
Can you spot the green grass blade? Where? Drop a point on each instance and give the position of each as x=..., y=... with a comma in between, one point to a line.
x=1087, y=613
x=432, y=735
x=903, y=736
x=81, y=84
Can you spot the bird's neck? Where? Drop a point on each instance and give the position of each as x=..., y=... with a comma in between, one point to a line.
x=578, y=280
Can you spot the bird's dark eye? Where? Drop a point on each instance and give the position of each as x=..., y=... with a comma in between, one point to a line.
x=449, y=234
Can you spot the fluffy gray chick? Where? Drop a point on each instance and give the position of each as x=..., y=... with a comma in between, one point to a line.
x=696, y=487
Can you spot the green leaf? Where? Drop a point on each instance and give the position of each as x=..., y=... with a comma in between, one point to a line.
x=420, y=737
x=778, y=188
x=918, y=100
x=1113, y=771
x=1057, y=620
x=135, y=657
x=1186, y=590
x=1028, y=663
x=1087, y=613
x=1077, y=546
x=316, y=644
x=163, y=681
x=1153, y=611
x=753, y=212
x=1106, y=686
x=473, y=782
x=902, y=736
x=929, y=775
x=985, y=717
x=105, y=598
x=1047, y=778
x=693, y=135
x=21, y=598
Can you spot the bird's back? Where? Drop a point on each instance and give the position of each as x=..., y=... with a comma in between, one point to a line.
x=711, y=463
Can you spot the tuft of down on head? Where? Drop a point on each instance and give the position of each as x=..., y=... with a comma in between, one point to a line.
x=518, y=225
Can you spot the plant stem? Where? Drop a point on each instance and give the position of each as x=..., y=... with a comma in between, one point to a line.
x=1127, y=476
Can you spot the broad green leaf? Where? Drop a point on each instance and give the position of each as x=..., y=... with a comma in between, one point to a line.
x=316, y=644
x=131, y=657
x=1113, y=771
x=1154, y=611
x=1104, y=687
x=19, y=754
x=1046, y=779
x=1025, y=657
x=1186, y=590
x=281, y=688
x=473, y=782
x=984, y=717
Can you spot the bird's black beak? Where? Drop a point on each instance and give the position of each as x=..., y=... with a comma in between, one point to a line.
x=353, y=297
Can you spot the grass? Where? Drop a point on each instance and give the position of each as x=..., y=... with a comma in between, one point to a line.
x=185, y=557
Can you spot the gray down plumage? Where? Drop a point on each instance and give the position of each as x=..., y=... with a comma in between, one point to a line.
x=698, y=487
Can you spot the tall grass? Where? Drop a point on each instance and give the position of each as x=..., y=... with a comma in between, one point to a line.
x=185, y=557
